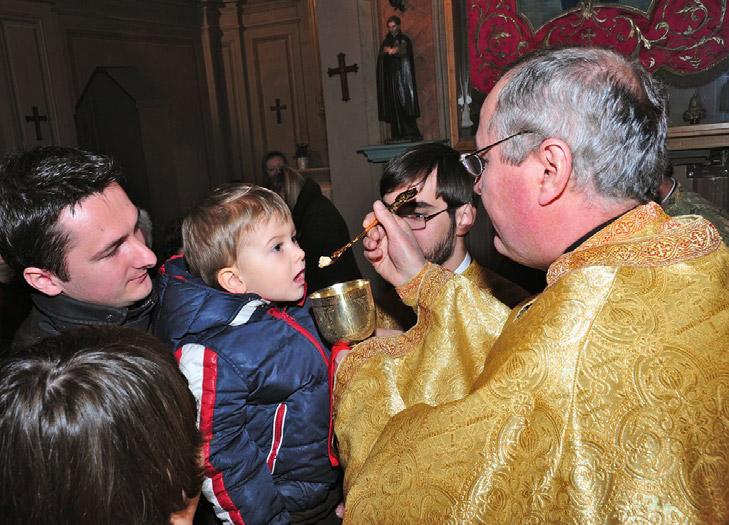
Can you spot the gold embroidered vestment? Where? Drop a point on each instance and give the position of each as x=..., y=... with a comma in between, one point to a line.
x=603, y=399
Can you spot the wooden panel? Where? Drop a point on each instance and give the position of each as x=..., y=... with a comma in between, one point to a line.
x=33, y=72
x=275, y=75
x=168, y=64
x=237, y=116
x=282, y=62
x=699, y=136
x=28, y=70
x=274, y=68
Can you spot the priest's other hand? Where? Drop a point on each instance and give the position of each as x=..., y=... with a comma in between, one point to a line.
x=391, y=247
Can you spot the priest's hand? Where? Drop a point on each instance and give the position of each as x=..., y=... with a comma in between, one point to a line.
x=391, y=247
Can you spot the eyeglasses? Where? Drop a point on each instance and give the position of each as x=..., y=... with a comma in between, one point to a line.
x=473, y=162
x=416, y=221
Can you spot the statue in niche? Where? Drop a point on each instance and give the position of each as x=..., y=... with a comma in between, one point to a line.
x=695, y=111
x=397, y=96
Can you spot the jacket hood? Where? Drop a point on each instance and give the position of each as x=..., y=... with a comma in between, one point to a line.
x=188, y=306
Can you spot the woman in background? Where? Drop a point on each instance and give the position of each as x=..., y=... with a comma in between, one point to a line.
x=320, y=228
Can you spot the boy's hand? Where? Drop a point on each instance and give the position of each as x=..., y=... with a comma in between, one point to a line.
x=339, y=358
x=340, y=350
x=391, y=247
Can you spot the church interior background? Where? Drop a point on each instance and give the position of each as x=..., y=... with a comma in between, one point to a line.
x=190, y=94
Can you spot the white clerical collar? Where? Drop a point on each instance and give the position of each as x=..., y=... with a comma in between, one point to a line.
x=464, y=264
x=668, y=195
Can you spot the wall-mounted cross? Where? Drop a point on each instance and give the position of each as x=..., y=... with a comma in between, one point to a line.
x=278, y=108
x=37, y=119
x=343, y=70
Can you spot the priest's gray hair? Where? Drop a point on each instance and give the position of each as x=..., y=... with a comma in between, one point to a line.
x=609, y=110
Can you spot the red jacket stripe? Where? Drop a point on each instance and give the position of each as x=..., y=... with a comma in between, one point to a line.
x=277, y=436
x=207, y=409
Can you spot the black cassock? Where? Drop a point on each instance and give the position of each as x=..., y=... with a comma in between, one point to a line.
x=397, y=96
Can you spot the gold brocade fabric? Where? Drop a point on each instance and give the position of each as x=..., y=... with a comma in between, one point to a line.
x=504, y=290
x=604, y=399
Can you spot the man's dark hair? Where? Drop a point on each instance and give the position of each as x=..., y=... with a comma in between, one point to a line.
x=395, y=19
x=35, y=187
x=272, y=155
x=454, y=184
x=98, y=427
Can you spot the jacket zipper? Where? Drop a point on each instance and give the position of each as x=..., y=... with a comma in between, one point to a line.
x=284, y=316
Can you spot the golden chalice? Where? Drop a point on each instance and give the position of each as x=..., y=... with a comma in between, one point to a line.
x=345, y=311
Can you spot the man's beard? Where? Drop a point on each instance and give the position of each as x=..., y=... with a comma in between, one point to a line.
x=442, y=251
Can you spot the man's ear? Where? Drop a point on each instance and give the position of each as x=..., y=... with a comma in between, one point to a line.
x=230, y=281
x=44, y=281
x=465, y=217
x=555, y=157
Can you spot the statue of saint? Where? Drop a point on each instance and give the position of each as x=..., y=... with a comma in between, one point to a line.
x=397, y=96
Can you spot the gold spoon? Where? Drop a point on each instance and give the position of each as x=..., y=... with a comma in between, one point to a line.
x=401, y=199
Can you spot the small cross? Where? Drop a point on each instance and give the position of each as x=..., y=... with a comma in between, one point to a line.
x=588, y=35
x=278, y=108
x=37, y=119
x=343, y=70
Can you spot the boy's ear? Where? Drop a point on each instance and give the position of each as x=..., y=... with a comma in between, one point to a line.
x=230, y=281
x=465, y=217
x=42, y=280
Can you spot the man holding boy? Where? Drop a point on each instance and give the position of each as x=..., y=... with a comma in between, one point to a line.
x=602, y=399
x=70, y=230
x=235, y=310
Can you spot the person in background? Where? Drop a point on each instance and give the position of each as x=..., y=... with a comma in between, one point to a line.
x=146, y=226
x=441, y=216
x=235, y=312
x=98, y=428
x=676, y=200
x=272, y=163
x=320, y=228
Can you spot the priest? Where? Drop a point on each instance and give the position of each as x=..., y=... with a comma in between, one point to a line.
x=606, y=397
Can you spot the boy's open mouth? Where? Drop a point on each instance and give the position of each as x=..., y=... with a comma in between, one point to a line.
x=299, y=277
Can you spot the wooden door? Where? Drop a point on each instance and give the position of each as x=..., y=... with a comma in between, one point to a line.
x=272, y=52
x=284, y=86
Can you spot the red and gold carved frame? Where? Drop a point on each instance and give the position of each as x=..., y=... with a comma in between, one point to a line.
x=682, y=37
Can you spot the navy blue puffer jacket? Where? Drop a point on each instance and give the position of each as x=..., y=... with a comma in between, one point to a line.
x=260, y=376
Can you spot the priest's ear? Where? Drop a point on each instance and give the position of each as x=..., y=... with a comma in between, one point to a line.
x=465, y=218
x=555, y=157
x=231, y=281
x=45, y=281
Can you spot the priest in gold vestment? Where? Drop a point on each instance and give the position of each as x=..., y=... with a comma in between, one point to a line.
x=605, y=399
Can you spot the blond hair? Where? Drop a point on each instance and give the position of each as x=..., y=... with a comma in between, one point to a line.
x=288, y=183
x=213, y=231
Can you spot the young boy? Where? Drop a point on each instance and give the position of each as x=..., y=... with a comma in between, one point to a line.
x=234, y=308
